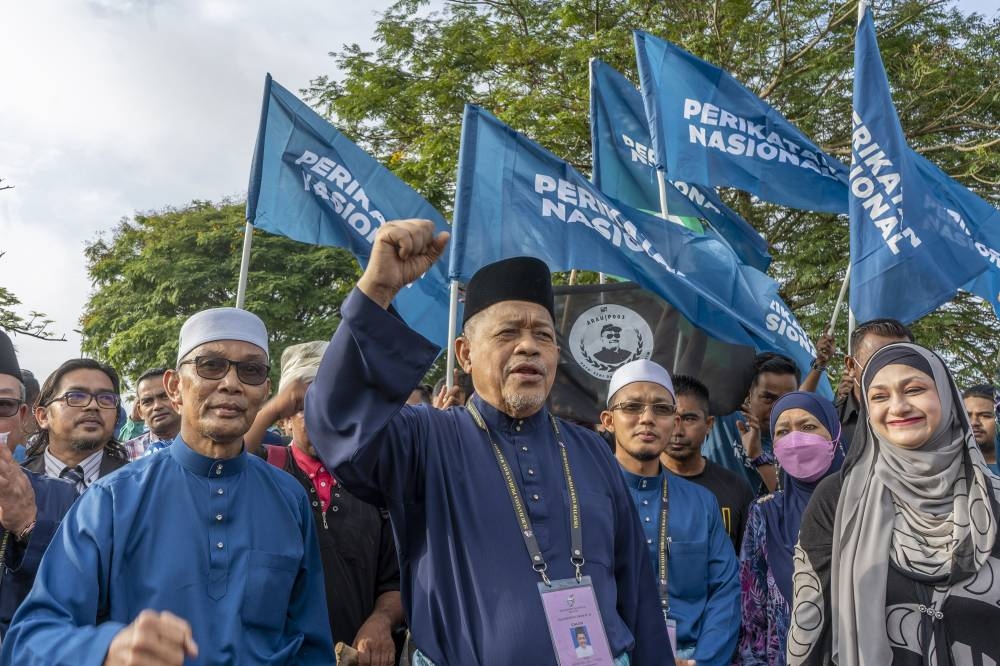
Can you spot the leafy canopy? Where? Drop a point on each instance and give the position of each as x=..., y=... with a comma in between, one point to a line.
x=526, y=61
x=154, y=271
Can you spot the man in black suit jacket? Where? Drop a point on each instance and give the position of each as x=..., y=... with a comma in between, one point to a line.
x=76, y=413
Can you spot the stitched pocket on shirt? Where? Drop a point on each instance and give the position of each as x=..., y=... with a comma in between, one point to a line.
x=270, y=577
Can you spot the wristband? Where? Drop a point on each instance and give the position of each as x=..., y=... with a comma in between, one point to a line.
x=817, y=366
x=763, y=459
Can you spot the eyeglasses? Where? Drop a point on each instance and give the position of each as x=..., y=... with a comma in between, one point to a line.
x=660, y=409
x=9, y=407
x=105, y=399
x=252, y=373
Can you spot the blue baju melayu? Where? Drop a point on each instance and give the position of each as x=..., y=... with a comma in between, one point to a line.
x=468, y=586
x=228, y=545
x=702, y=571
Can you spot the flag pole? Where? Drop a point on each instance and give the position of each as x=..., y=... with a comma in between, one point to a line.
x=840, y=300
x=601, y=277
x=661, y=180
x=452, y=333
x=241, y=286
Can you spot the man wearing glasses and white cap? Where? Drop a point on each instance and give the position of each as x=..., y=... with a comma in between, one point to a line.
x=200, y=551
x=699, y=585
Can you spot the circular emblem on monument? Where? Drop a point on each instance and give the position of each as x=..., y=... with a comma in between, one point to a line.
x=605, y=337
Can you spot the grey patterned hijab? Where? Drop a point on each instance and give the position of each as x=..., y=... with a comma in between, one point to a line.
x=927, y=510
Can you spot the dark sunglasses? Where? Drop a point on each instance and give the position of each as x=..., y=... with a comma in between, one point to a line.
x=252, y=373
x=9, y=407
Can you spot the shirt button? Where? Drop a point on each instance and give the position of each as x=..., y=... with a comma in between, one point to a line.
x=645, y=502
x=524, y=448
x=220, y=491
x=322, y=484
x=649, y=541
x=218, y=469
x=218, y=517
x=531, y=472
x=647, y=519
x=334, y=508
x=219, y=545
x=315, y=503
x=535, y=497
x=518, y=428
x=336, y=494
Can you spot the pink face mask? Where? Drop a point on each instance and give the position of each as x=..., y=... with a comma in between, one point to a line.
x=804, y=455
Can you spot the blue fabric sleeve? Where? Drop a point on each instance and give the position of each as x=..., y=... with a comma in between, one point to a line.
x=307, y=613
x=372, y=364
x=721, y=627
x=57, y=623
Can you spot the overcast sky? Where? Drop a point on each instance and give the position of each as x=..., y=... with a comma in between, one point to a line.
x=109, y=107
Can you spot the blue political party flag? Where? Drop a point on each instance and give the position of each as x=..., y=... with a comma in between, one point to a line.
x=312, y=184
x=625, y=167
x=905, y=266
x=709, y=129
x=516, y=198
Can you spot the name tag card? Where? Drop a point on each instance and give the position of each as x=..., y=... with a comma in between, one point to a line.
x=575, y=624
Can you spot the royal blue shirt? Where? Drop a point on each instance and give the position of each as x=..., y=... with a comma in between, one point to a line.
x=703, y=574
x=468, y=586
x=228, y=545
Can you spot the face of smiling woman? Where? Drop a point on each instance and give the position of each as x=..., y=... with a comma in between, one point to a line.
x=903, y=406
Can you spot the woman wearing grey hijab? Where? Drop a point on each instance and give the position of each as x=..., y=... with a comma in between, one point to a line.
x=898, y=560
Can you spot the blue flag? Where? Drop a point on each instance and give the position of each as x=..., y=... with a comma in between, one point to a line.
x=976, y=220
x=707, y=128
x=312, y=184
x=625, y=167
x=906, y=266
x=516, y=198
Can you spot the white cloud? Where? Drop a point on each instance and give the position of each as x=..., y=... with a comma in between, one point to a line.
x=117, y=106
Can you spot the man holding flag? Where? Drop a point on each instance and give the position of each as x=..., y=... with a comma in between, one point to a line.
x=513, y=526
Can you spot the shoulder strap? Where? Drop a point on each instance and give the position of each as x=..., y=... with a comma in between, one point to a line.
x=277, y=456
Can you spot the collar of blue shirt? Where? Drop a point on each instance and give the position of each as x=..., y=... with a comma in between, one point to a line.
x=200, y=465
x=500, y=422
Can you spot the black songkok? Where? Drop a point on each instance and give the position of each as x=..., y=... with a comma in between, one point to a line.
x=8, y=360
x=515, y=279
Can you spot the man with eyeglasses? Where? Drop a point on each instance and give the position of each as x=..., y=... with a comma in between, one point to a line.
x=76, y=413
x=196, y=552
x=683, y=528
x=31, y=505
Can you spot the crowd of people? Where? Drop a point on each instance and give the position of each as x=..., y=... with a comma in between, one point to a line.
x=358, y=515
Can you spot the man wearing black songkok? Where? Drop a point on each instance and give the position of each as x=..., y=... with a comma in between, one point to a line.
x=450, y=478
x=31, y=505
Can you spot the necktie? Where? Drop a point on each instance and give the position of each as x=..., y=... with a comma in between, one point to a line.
x=74, y=474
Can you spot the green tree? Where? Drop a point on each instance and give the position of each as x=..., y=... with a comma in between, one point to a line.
x=157, y=269
x=526, y=61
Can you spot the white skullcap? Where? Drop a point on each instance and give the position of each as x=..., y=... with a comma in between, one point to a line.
x=641, y=370
x=301, y=362
x=221, y=324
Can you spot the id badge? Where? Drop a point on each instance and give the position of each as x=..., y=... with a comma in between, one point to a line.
x=575, y=624
x=672, y=632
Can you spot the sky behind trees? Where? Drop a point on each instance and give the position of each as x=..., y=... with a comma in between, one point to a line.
x=117, y=106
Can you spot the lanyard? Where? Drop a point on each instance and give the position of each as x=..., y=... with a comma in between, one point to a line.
x=664, y=549
x=530, y=542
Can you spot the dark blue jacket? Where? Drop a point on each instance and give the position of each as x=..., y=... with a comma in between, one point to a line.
x=53, y=497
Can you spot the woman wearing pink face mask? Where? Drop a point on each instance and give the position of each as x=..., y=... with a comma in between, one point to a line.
x=806, y=434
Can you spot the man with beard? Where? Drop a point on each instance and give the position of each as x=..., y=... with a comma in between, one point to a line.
x=699, y=584
x=497, y=505
x=162, y=420
x=31, y=505
x=201, y=551
x=76, y=412
x=683, y=457
x=981, y=410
